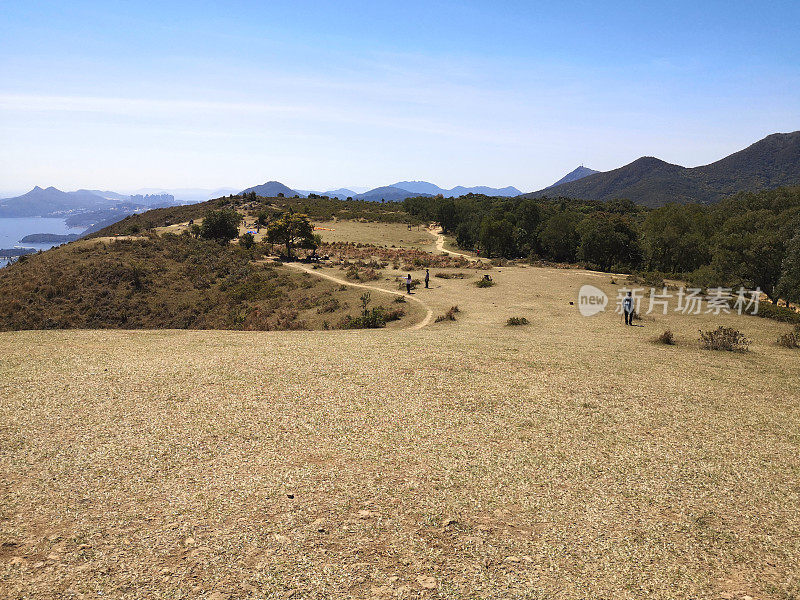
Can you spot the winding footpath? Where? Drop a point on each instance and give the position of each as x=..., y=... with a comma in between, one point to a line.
x=420, y=325
x=437, y=233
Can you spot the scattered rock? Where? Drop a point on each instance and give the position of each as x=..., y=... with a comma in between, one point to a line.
x=319, y=525
x=449, y=523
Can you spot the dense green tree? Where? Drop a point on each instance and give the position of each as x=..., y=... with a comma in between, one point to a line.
x=293, y=231
x=676, y=238
x=608, y=240
x=559, y=236
x=221, y=225
x=749, y=250
x=789, y=283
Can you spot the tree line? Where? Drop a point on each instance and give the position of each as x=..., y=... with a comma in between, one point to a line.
x=751, y=239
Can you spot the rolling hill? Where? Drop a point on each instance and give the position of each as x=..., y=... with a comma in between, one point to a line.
x=50, y=201
x=578, y=173
x=769, y=163
x=271, y=189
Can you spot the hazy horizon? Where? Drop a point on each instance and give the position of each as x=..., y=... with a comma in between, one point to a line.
x=124, y=97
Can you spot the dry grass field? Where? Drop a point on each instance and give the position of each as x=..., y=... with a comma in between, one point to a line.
x=569, y=458
x=388, y=234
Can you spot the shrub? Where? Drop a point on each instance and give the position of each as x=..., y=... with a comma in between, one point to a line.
x=724, y=338
x=450, y=275
x=372, y=319
x=220, y=225
x=484, y=282
x=450, y=315
x=791, y=339
x=666, y=338
x=777, y=313
x=414, y=283
x=247, y=240
x=515, y=321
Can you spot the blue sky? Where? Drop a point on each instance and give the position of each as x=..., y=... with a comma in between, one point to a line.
x=318, y=95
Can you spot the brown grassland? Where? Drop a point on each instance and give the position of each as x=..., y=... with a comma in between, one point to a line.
x=570, y=458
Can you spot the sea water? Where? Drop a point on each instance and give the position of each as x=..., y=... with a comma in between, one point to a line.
x=12, y=230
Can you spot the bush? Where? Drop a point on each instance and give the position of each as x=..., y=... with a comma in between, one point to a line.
x=515, y=321
x=247, y=240
x=484, y=282
x=450, y=275
x=791, y=339
x=666, y=338
x=777, y=313
x=724, y=338
x=373, y=319
x=220, y=225
x=414, y=284
x=450, y=315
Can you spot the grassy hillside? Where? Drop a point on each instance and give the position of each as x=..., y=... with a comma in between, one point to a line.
x=769, y=163
x=321, y=208
x=168, y=281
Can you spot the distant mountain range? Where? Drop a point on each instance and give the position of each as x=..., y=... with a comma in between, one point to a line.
x=388, y=193
x=769, y=163
x=52, y=202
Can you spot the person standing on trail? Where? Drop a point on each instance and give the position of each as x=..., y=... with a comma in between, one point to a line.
x=627, y=309
x=427, y=277
x=408, y=283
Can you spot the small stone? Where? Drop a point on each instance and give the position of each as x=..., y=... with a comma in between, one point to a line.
x=513, y=559
x=364, y=514
x=428, y=583
x=449, y=523
x=189, y=541
x=290, y=496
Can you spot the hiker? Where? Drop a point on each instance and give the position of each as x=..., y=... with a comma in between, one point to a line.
x=427, y=278
x=627, y=309
x=408, y=283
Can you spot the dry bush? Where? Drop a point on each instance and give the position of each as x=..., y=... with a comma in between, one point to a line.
x=450, y=315
x=724, y=338
x=450, y=275
x=516, y=321
x=791, y=339
x=666, y=338
x=484, y=282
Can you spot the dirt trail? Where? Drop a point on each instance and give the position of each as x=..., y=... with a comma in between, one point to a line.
x=420, y=325
x=437, y=232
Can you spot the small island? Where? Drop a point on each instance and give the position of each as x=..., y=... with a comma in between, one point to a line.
x=49, y=238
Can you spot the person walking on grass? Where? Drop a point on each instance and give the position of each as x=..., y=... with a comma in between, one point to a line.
x=427, y=277
x=408, y=284
x=627, y=309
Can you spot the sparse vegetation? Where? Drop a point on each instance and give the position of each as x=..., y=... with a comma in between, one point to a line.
x=167, y=281
x=724, y=338
x=446, y=275
x=517, y=321
x=450, y=315
x=791, y=339
x=484, y=282
x=666, y=337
